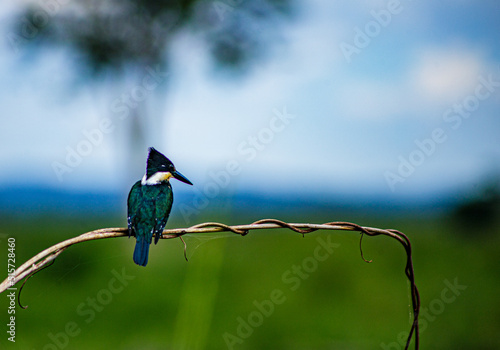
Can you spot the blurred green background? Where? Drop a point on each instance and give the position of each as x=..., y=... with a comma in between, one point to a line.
x=342, y=303
x=382, y=113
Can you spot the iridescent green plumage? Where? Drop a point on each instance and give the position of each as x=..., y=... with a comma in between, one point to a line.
x=149, y=208
x=149, y=203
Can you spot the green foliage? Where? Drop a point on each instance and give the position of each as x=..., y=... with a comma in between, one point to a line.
x=113, y=35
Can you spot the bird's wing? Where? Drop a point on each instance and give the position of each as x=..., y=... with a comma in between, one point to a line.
x=163, y=205
x=133, y=203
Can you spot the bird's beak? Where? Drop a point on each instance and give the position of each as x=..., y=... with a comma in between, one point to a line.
x=180, y=177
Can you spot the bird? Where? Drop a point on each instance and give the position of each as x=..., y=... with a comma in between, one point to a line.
x=149, y=203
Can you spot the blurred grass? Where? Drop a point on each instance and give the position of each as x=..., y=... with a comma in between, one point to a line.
x=343, y=303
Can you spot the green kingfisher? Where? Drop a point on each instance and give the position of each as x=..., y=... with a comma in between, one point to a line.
x=149, y=203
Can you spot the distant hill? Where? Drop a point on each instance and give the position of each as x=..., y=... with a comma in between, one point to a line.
x=22, y=200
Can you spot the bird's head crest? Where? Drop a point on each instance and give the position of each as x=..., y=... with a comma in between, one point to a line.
x=157, y=162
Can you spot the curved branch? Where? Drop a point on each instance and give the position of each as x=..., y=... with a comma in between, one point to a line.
x=45, y=257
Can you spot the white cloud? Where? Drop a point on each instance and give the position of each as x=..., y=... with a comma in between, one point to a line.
x=443, y=75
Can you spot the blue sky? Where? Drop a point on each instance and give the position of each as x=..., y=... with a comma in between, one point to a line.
x=413, y=110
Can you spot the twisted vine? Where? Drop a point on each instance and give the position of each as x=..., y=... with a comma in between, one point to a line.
x=48, y=256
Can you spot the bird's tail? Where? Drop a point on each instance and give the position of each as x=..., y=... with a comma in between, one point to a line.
x=141, y=251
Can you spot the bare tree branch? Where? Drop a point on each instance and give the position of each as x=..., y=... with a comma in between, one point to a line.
x=47, y=256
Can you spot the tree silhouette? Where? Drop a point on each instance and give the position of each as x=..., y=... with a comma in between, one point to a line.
x=123, y=41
